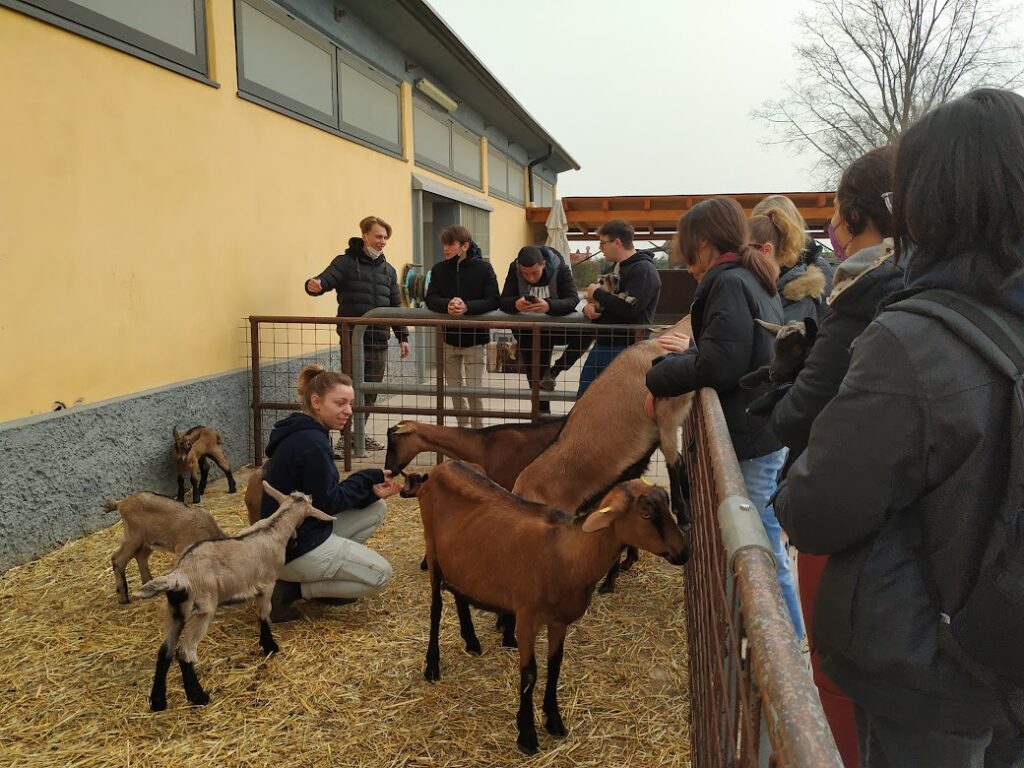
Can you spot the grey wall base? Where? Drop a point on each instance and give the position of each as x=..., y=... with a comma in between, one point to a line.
x=58, y=468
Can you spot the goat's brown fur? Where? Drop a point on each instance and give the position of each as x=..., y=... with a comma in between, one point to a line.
x=254, y=494
x=153, y=522
x=504, y=552
x=190, y=453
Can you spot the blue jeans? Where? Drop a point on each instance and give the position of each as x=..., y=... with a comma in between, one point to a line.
x=760, y=475
x=600, y=357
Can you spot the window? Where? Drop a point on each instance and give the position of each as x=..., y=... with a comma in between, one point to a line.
x=505, y=177
x=171, y=33
x=443, y=146
x=286, y=64
x=478, y=222
x=543, y=192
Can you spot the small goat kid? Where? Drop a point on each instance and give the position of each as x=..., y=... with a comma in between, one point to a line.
x=153, y=522
x=190, y=455
x=503, y=552
x=222, y=572
x=793, y=342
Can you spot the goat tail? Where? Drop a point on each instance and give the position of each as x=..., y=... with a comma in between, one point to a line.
x=168, y=583
x=110, y=505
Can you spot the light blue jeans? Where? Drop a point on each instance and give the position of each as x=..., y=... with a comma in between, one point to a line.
x=760, y=475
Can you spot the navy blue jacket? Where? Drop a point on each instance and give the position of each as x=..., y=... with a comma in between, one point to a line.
x=728, y=345
x=302, y=460
x=638, y=276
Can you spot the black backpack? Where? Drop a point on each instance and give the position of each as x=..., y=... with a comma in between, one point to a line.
x=987, y=632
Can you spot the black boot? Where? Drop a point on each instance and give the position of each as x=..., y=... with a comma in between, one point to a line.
x=285, y=593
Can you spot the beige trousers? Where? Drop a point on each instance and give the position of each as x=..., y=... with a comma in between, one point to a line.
x=464, y=366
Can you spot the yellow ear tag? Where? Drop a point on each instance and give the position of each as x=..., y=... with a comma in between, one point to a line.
x=646, y=481
x=603, y=509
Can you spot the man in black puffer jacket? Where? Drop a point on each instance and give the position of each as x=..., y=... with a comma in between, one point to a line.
x=463, y=284
x=364, y=280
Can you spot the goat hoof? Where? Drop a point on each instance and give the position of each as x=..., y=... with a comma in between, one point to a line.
x=556, y=727
x=527, y=744
x=270, y=648
x=423, y=564
x=606, y=589
x=124, y=600
x=157, y=705
x=626, y=564
x=432, y=673
x=199, y=698
x=474, y=648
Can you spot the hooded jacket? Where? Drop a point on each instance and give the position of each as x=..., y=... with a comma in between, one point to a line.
x=303, y=460
x=908, y=462
x=556, y=280
x=471, y=279
x=728, y=345
x=363, y=283
x=803, y=289
x=862, y=282
x=638, y=277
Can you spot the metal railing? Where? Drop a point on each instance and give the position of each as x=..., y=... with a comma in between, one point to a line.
x=753, y=702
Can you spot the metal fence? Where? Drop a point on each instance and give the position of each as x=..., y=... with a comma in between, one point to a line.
x=753, y=702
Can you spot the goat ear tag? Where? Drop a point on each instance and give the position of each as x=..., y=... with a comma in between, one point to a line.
x=597, y=520
x=646, y=481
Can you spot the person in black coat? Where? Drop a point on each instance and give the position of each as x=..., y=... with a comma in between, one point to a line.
x=906, y=466
x=638, y=280
x=364, y=280
x=463, y=284
x=736, y=286
x=325, y=560
x=540, y=281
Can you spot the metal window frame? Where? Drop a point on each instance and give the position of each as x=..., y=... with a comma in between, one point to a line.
x=381, y=78
x=102, y=29
x=453, y=125
x=506, y=194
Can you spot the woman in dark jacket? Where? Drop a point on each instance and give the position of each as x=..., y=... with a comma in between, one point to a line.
x=463, y=284
x=737, y=284
x=861, y=231
x=906, y=466
x=325, y=560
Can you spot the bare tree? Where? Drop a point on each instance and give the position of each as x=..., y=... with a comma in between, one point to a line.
x=872, y=67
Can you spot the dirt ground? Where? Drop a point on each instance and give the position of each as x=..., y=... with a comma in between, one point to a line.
x=347, y=688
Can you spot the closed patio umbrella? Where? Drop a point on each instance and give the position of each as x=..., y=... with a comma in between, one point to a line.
x=558, y=230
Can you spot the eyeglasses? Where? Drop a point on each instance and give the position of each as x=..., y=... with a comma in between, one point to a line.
x=603, y=243
x=887, y=199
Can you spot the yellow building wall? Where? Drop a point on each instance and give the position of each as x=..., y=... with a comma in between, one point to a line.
x=144, y=214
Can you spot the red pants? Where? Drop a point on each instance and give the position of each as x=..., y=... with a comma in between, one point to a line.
x=838, y=707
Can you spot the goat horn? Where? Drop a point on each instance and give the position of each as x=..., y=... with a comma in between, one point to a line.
x=275, y=494
x=773, y=328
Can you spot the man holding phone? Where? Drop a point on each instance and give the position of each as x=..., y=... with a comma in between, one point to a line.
x=540, y=281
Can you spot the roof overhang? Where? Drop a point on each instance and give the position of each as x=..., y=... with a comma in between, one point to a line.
x=656, y=216
x=419, y=32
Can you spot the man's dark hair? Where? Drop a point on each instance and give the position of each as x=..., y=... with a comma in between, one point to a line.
x=861, y=188
x=530, y=256
x=618, y=229
x=958, y=194
x=456, y=234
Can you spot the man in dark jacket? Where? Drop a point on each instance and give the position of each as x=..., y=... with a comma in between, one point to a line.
x=540, y=281
x=638, y=278
x=364, y=280
x=463, y=284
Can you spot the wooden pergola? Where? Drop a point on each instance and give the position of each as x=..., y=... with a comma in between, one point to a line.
x=655, y=216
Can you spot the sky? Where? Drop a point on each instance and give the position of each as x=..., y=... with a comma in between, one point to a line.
x=649, y=96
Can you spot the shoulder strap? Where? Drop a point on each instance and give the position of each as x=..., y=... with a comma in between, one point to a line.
x=989, y=331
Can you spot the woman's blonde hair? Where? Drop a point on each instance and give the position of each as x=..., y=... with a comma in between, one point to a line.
x=776, y=220
x=316, y=380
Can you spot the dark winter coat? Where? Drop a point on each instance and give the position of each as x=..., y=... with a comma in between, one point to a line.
x=556, y=282
x=728, y=345
x=363, y=284
x=803, y=289
x=471, y=279
x=862, y=282
x=912, y=453
x=638, y=276
x=304, y=461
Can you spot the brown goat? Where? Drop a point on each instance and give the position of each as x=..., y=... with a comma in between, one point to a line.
x=153, y=522
x=608, y=438
x=254, y=493
x=502, y=450
x=190, y=453
x=499, y=551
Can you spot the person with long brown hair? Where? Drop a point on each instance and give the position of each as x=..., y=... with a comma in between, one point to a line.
x=736, y=286
x=327, y=561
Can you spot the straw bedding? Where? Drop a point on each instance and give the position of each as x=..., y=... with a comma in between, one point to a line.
x=347, y=688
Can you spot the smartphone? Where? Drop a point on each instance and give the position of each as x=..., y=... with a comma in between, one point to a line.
x=530, y=298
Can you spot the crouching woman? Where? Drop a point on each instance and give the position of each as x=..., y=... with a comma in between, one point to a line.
x=328, y=561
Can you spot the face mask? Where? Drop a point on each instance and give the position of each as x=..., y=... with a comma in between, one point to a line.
x=373, y=253
x=837, y=248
